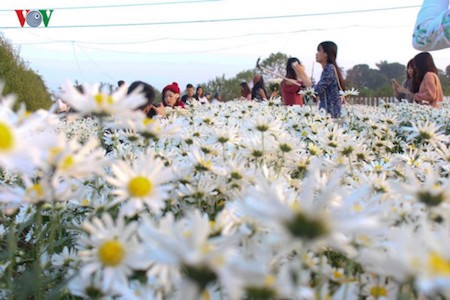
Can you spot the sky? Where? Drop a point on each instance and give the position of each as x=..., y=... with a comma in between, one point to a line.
x=194, y=41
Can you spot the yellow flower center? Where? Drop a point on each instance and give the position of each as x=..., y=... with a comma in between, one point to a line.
x=378, y=168
x=111, y=253
x=148, y=121
x=338, y=274
x=187, y=234
x=54, y=152
x=378, y=291
x=269, y=280
x=206, y=163
x=67, y=162
x=84, y=202
x=357, y=207
x=219, y=261
x=206, y=295
x=6, y=137
x=36, y=191
x=100, y=99
x=438, y=265
x=140, y=186
x=205, y=248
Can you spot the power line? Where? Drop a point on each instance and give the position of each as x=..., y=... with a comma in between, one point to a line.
x=76, y=61
x=85, y=44
x=227, y=20
x=92, y=61
x=51, y=41
x=124, y=5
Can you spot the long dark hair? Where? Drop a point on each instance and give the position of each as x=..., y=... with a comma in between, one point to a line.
x=197, y=95
x=330, y=48
x=410, y=64
x=149, y=93
x=257, y=85
x=245, y=89
x=423, y=63
x=290, y=72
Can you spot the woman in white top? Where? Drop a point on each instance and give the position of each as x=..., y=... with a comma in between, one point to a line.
x=200, y=96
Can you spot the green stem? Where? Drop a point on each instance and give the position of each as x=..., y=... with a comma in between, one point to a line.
x=53, y=221
x=350, y=165
x=11, y=255
x=262, y=141
x=223, y=152
x=37, y=236
x=320, y=279
x=100, y=132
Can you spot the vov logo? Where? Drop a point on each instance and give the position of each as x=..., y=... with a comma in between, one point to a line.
x=34, y=18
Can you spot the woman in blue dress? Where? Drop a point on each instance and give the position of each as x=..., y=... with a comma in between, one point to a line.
x=331, y=80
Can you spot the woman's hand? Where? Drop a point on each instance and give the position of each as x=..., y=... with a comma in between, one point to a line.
x=401, y=89
x=301, y=75
x=159, y=109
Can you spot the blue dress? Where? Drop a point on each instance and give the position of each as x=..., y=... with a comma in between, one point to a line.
x=328, y=90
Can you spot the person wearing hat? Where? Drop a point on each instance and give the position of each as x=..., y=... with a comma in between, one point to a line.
x=170, y=98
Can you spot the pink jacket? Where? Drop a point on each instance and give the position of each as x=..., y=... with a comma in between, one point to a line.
x=430, y=91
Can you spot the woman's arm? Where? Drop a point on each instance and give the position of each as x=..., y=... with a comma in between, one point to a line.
x=432, y=29
x=428, y=90
x=301, y=74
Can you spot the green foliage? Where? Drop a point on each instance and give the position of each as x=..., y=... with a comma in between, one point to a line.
x=276, y=62
x=445, y=82
x=19, y=79
x=372, y=82
x=392, y=70
x=229, y=88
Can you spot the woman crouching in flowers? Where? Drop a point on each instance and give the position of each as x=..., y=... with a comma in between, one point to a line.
x=331, y=80
x=170, y=98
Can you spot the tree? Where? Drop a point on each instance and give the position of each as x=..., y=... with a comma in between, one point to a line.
x=392, y=70
x=229, y=88
x=445, y=82
x=361, y=76
x=19, y=79
x=276, y=62
x=368, y=81
x=447, y=71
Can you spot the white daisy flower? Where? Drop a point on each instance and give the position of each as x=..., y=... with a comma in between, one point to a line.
x=346, y=93
x=427, y=131
x=72, y=159
x=21, y=141
x=92, y=101
x=140, y=183
x=110, y=248
x=66, y=258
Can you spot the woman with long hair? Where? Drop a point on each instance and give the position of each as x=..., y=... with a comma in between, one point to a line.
x=331, y=80
x=426, y=85
x=259, y=90
x=246, y=93
x=404, y=91
x=290, y=88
